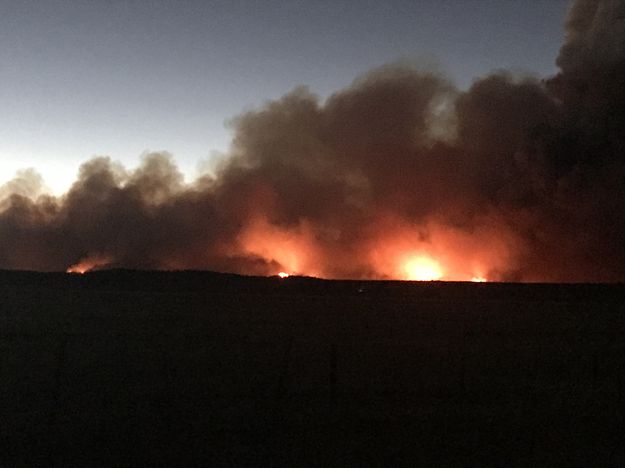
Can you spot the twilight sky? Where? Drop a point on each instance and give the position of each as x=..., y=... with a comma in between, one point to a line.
x=117, y=78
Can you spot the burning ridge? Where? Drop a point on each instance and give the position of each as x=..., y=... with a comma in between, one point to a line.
x=400, y=175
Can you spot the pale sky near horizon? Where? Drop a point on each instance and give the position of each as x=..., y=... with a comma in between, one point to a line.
x=120, y=78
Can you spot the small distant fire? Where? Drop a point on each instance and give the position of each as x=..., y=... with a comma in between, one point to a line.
x=479, y=279
x=79, y=268
x=88, y=264
x=294, y=249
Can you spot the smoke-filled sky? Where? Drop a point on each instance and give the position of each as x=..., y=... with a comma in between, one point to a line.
x=80, y=78
x=406, y=169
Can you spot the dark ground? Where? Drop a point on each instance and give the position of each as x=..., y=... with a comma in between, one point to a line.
x=134, y=368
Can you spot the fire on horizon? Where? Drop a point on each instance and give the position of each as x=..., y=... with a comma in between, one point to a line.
x=400, y=175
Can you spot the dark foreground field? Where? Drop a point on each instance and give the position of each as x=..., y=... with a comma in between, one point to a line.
x=128, y=368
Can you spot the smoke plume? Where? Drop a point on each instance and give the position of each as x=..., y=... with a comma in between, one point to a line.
x=401, y=175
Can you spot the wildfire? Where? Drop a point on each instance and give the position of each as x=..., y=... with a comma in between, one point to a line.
x=88, y=264
x=293, y=249
x=427, y=252
x=422, y=269
x=80, y=268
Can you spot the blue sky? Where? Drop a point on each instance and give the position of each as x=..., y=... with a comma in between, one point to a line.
x=119, y=78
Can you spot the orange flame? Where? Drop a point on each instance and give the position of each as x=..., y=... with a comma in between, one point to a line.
x=88, y=264
x=434, y=251
x=292, y=249
x=391, y=248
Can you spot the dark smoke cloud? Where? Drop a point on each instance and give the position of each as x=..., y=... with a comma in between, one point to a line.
x=523, y=177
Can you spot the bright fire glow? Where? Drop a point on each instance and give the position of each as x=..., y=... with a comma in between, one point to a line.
x=422, y=269
x=79, y=268
x=390, y=248
x=283, y=274
x=479, y=279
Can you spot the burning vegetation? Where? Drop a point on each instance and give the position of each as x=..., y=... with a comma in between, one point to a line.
x=401, y=175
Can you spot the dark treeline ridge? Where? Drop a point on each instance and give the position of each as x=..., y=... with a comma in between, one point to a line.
x=214, y=282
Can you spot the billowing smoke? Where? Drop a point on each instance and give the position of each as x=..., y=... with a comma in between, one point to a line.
x=400, y=175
